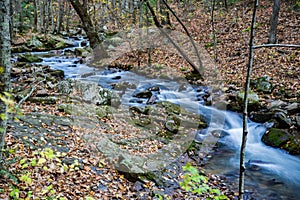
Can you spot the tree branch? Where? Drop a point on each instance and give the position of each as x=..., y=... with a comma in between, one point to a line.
x=159, y=26
x=276, y=45
x=188, y=34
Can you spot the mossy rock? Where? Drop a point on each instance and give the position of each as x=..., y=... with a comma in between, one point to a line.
x=29, y=58
x=86, y=110
x=253, y=98
x=276, y=137
x=293, y=147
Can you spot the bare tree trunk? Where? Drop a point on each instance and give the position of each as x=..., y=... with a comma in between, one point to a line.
x=140, y=33
x=21, y=19
x=213, y=30
x=5, y=67
x=148, y=42
x=274, y=22
x=12, y=34
x=60, y=16
x=42, y=16
x=95, y=41
x=68, y=17
x=198, y=69
x=35, y=16
x=245, y=112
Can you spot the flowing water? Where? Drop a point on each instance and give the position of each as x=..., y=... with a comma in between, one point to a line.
x=271, y=174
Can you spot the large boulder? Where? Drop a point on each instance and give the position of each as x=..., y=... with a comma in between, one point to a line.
x=35, y=43
x=88, y=92
x=276, y=137
x=281, y=138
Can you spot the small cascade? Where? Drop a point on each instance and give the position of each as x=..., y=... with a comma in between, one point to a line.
x=269, y=171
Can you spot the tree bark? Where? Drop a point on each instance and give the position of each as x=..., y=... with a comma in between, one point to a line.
x=5, y=67
x=274, y=22
x=35, y=16
x=60, y=16
x=86, y=22
x=245, y=111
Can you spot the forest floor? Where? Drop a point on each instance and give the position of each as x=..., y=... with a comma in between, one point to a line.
x=43, y=173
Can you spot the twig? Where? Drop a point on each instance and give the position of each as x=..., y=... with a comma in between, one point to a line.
x=26, y=97
x=276, y=45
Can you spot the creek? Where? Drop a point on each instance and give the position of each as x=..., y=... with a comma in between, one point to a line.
x=271, y=173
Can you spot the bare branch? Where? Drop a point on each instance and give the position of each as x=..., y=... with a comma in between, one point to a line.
x=188, y=34
x=159, y=26
x=276, y=45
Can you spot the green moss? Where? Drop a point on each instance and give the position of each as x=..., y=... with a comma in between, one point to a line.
x=276, y=137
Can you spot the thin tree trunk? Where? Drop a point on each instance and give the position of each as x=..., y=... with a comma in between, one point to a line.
x=21, y=19
x=60, y=16
x=213, y=30
x=12, y=34
x=140, y=33
x=200, y=67
x=274, y=22
x=245, y=112
x=35, y=16
x=148, y=42
x=5, y=67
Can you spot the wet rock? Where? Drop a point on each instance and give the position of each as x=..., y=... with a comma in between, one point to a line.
x=116, y=78
x=57, y=73
x=59, y=41
x=143, y=94
x=29, y=58
x=154, y=88
x=81, y=52
x=236, y=101
x=276, y=137
x=261, y=116
x=281, y=120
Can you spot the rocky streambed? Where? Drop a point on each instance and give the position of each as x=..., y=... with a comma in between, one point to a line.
x=158, y=112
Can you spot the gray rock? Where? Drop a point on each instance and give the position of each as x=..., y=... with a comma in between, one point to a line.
x=35, y=42
x=253, y=98
x=276, y=104
x=293, y=108
x=88, y=92
x=282, y=120
x=30, y=58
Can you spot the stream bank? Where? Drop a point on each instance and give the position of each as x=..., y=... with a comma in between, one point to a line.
x=110, y=78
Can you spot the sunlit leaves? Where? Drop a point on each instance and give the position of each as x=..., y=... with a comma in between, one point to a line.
x=197, y=183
